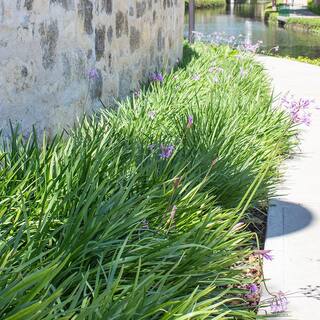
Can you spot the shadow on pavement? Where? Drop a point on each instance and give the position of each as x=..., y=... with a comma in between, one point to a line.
x=286, y=217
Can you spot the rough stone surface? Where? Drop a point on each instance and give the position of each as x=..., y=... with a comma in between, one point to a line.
x=48, y=48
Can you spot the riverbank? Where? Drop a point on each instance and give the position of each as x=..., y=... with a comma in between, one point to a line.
x=208, y=3
x=231, y=22
x=303, y=24
x=142, y=212
x=299, y=18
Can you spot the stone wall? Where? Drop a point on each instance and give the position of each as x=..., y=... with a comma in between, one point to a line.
x=58, y=58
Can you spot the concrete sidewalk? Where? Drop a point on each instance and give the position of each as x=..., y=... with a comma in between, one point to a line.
x=293, y=232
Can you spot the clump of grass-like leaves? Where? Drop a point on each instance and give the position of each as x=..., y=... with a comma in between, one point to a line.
x=102, y=225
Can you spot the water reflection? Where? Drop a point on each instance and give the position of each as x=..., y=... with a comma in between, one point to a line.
x=246, y=18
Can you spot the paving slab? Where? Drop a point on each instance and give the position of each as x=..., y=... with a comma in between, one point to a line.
x=293, y=229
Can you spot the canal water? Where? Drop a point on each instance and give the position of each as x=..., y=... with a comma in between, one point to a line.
x=246, y=19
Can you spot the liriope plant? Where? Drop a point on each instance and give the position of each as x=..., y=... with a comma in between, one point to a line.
x=133, y=214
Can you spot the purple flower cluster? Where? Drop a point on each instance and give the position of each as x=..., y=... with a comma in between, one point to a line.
x=253, y=294
x=299, y=109
x=250, y=47
x=279, y=303
x=152, y=114
x=215, y=69
x=156, y=77
x=264, y=254
x=196, y=77
x=253, y=288
x=93, y=74
x=236, y=42
x=166, y=151
x=190, y=121
x=253, y=291
x=221, y=38
x=198, y=36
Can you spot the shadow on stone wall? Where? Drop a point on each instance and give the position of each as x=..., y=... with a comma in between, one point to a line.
x=188, y=55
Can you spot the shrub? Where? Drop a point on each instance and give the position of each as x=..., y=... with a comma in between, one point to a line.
x=208, y=3
x=313, y=7
x=315, y=61
x=132, y=215
x=271, y=16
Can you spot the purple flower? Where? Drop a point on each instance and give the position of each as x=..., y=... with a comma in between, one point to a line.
x=156, y=77
x=190, y=121
x=292, y=103
x=305, y=119
x=198, y=36
x=93, y=74
x=249, y=47
x=137, y=93
x=215, y=69
x=253, y=292
x=166, y=151
x=264, y=253
x=196, y=77
x=145, y=224
x=253, y=288
x=279, y=303
x=152, y=114
x=298, y=109
x=243, y=72
x=215, y=79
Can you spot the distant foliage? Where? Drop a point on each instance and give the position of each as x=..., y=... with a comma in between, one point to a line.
x=208, y=3
x=314, y=7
